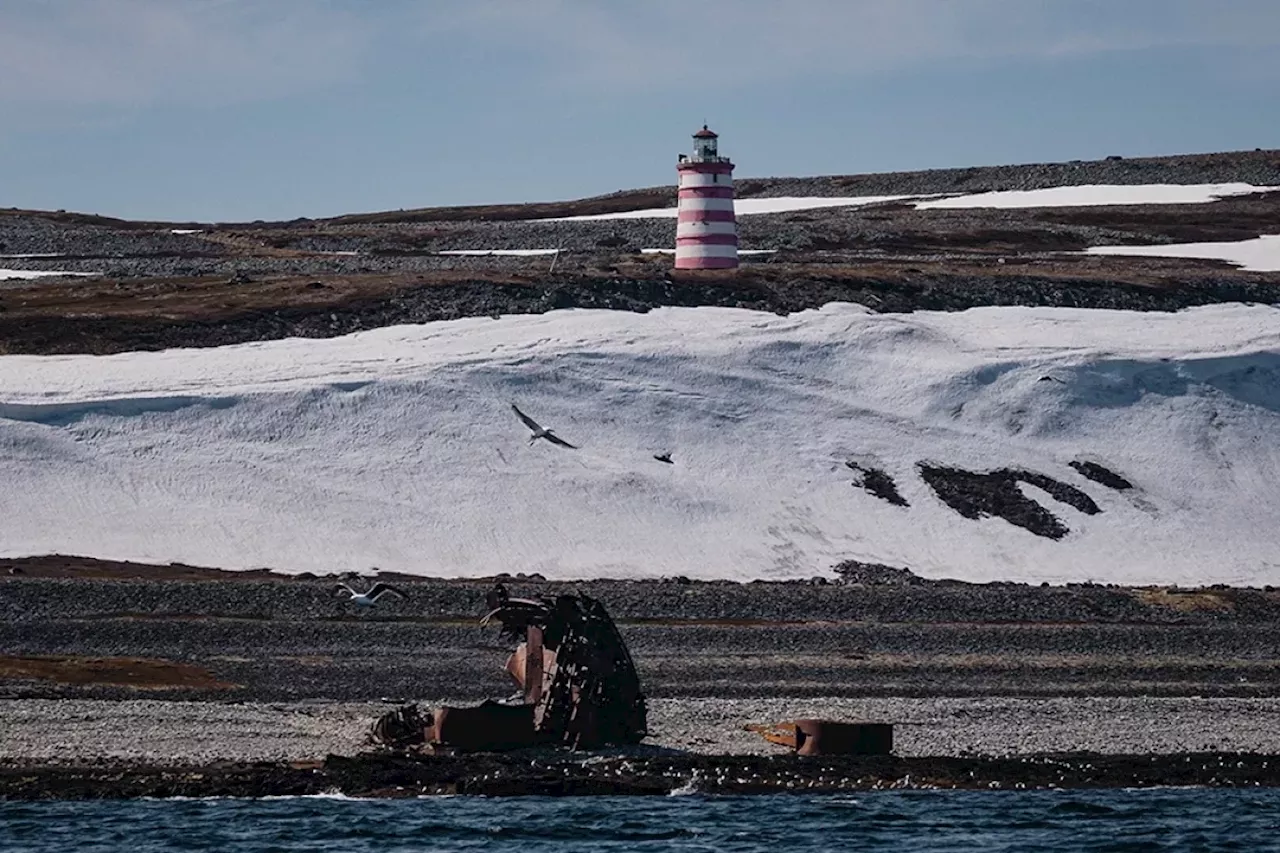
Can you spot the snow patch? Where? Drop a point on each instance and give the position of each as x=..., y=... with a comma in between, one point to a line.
x=5, y=275
x=397, y=447
x=1261, y=254
x=509, y=252
x=1081, y=196
x=746, y=207
x=1095, y=195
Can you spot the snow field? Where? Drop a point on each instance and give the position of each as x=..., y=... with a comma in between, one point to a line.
x=397, y=448
x=1081, y=196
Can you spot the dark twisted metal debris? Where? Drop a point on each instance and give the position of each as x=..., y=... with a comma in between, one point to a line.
x=579, y=685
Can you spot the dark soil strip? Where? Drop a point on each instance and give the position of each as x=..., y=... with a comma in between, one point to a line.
x=1102, y=475
x=137, y=673
x=392, y=776
x=996, y=493
x=878, y=483
x=57, y=333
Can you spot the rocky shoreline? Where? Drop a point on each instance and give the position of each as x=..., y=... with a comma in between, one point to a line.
x=129, y=680
x=391, y=776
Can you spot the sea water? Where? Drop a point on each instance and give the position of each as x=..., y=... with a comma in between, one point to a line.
x=1147, y=820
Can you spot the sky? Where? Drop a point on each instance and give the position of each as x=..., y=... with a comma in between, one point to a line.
x=271, y=109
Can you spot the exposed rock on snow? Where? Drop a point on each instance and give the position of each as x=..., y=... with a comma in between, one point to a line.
x=996, y=493
x=1101, y=474
x=876, y=482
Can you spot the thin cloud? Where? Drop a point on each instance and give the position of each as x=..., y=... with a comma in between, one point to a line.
x=730, y=43
x=133, y=52
x=107, y=53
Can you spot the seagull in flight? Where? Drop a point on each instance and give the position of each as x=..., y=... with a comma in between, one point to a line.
x=539, y=432
x=369, y=598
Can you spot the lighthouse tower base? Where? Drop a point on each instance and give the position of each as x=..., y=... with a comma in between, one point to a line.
x=706, y=230
x=706, y=257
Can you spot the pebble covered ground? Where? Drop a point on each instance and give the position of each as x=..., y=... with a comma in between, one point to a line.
x=202, y=732
x=293, y=672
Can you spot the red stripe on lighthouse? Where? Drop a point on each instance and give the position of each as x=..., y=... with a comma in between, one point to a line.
x=709, y=168
x=705, y=192
x=705, y=216
x=708, y=240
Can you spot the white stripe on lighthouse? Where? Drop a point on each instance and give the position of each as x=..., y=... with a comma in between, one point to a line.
x=706, y=204
x=706, y=251
x=704, y=179
x=705, y=227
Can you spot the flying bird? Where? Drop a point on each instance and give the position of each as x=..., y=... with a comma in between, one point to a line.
x=369, y=598
x=540, y=432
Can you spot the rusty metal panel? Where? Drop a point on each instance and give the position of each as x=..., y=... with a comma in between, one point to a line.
x=829, y=737
x=490, y=726
x=533, y=665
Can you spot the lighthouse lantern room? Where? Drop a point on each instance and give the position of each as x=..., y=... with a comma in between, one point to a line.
x=706, y=230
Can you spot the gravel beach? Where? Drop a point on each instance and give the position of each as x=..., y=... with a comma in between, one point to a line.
x=246, y=668
x=160, y=731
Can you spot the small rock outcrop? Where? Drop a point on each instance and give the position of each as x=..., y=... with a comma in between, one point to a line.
x=996, y=493
x=877, y=482
x=876, y=574
x=1102, y=475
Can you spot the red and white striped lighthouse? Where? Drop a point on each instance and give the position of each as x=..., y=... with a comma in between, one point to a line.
x=706, y=232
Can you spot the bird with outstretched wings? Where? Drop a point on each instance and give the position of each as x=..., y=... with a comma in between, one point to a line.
x=540, y=431
x=369, y=598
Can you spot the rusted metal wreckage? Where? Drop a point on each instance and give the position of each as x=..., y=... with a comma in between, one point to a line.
x=579, y=688
x=828, y=737
x=578, y=685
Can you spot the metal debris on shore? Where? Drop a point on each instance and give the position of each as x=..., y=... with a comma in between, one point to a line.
x=578, y=686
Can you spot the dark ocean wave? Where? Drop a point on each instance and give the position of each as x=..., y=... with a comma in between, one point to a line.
x=1052, y=821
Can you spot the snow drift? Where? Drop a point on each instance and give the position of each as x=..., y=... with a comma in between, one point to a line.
x=397, y=448
x=1260, y=254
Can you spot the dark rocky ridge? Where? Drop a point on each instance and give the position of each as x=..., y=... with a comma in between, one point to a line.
x=233, y=283
x=276, y=640
x=273, y=309
x=389, y=776
x=1260, y=167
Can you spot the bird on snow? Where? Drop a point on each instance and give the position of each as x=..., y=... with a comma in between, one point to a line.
x=370, y=597
x=540, y=432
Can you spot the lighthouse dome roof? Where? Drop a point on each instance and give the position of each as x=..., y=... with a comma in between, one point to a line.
x=705, y=133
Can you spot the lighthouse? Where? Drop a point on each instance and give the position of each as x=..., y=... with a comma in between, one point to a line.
x=706, y=230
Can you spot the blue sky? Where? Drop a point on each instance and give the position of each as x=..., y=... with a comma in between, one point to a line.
x=245, y=109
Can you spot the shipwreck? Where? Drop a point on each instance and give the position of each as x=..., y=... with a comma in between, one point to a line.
x=577, y=684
